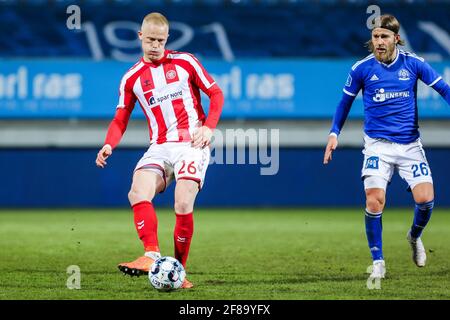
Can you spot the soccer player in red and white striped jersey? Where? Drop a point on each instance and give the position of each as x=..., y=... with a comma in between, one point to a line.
x=167, y=85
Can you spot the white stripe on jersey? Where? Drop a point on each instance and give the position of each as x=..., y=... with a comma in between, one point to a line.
x=434, y=82
x=349, y=93
x=370, y=56
x=149, y=115
x=413, y=55
x=170, y=119
x=127, y=75
x=188, y=103
x=410, y=54
x=194, y=63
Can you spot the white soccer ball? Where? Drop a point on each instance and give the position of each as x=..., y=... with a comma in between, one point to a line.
x=166, y=274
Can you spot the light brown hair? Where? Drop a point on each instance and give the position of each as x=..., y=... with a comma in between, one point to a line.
x=386, y=21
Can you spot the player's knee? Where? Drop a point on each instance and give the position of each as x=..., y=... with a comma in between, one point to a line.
x=375, y=203
x=183, y=205
x=425, y=198
x=423, y=193
x=136, y=195
x=133, y=196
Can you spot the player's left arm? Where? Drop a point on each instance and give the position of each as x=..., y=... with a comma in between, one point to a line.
x=443, y=89
x=203, y=135
x=432, y=79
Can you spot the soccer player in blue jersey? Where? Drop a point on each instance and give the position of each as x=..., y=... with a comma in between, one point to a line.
x=388, y=78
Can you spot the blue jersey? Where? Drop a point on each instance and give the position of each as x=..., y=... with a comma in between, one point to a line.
x=390, y=94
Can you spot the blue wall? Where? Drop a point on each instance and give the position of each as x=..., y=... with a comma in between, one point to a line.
x=287, y=89
x=69, y=178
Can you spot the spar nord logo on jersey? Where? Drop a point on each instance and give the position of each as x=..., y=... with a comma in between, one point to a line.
x=381, y=95
x=154, y=100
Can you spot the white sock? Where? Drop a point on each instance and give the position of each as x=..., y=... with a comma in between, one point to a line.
x=153, y=255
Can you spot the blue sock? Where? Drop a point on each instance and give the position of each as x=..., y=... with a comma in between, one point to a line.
x=422, y=214
x=374, y=228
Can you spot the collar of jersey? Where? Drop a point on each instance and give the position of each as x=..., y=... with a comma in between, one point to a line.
x=392, y=63
x=158, y=62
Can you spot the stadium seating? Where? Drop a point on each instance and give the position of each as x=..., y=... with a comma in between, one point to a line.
x=333, y=29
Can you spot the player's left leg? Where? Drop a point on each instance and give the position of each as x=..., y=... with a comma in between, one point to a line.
x=415, y=170
x=190, y=169
x=185, y=194
x=423, y=194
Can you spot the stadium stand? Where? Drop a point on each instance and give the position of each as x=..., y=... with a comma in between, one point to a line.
x=301, y=28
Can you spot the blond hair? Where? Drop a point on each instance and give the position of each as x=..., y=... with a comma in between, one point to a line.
x=386, y=21
x=156, y=18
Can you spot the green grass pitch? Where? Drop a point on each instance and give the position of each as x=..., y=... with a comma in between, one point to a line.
x=239, y=254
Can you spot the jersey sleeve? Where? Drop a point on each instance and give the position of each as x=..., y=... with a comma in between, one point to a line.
x=351, y=88
x=443, y=89
x=206, y=83
x=127, y=98
x=426, y=73
x=215, y=106
x=341, y=113
x=199, y=75
x=118, y=126
x=354, y=82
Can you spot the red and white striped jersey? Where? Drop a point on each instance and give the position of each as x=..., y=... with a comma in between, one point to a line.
x=168, y=92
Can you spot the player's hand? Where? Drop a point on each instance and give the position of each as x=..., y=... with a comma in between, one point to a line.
x=102, y=155
x=331, y=146
x=202, y=137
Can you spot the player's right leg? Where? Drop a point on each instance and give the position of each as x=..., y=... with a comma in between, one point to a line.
x=375, y=200
x=376, y=172
x=147, y=182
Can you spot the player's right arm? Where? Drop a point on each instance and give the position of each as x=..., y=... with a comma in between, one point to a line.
x=118, y=125
x=351, y=89
x=116, y=129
